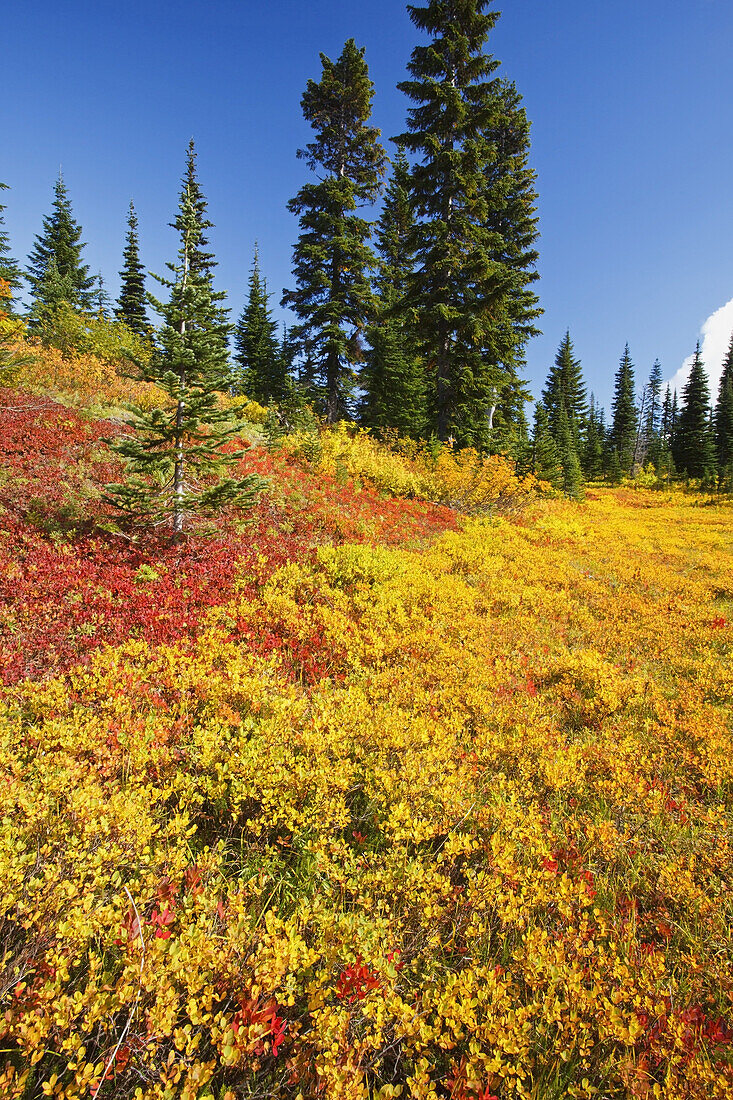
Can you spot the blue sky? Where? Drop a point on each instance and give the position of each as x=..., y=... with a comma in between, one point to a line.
x=630, y=103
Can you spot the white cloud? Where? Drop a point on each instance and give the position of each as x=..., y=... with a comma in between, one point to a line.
x=716, y=334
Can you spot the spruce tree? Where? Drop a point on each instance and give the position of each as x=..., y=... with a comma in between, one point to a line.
x=10, y=273
x=100, y=298
x=665, y=424
x=546, y=462
x=512, y=218
x=261, y=369
x=625, y=416
x=564, y=389
x=572, y=478
x=592, y=452
x=724, y=422
x=693, y=450
x=332, y=258
x=652, y=429
x=393, y=377
x=473, y=196
x=59, y=245
x=202, y=261
x=176, y=463
x=131, y=304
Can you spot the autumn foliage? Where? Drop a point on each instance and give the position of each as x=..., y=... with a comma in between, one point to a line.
x=363, y=798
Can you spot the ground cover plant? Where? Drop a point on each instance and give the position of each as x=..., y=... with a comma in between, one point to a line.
x=364, y=797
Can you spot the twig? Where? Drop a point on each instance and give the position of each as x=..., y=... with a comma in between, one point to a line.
x=112, y=1057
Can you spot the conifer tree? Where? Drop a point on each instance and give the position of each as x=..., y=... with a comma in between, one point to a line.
x=564, y=389
x=473, y=196
x=10, y=273
x=393, y=377
x=512, y=217
x=693, y=448
x=332, y=258
x=202, y=261
x=572, y=478
x=625, y=417
x=100, y=298
x=131, y=304
x=665, y=425
x=176, y=464
x=724, y=422
x=592, y=460
x=546, y=463
x=261, y=367
x=59, y=246
x=653, y=414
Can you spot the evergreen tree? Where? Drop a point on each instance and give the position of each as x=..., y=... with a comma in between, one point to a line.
x=202, y=261
x=176, y=463
x=724, y=422
x=653, y=415
x=59, y=246
x=572, y=478
x=592, y=462
x=10, y=273
x=332, y=258
x=665, y=425
x=693, y=450
x=131, y=304
x=261, y=367
x=564, y=389
x=625, y=416
x=473, y=196
x=512, y=218
x=546, y=463
x=100, y=298
x=393, y=378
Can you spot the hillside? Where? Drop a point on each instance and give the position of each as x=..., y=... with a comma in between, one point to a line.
x=361, y=796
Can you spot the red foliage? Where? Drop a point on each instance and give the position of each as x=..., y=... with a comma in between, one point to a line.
x=356, y=981
x=67, y=587
x=252, y=1012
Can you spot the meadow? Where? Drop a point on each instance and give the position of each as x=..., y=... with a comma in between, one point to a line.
x=400, y=787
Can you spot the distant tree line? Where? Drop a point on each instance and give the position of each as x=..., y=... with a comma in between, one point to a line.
x=687, y=437
x=415, y=322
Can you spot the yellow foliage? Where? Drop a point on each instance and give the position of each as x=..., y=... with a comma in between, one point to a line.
x=84, y=379
x=488, y=853
x=462, y=479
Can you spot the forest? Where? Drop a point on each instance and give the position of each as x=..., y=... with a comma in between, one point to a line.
x=362, y=734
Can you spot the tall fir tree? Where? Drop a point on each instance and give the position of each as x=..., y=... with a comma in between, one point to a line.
x=10, y=273
x=393, y=376
x=59, y=246
x=473, y=196
x=512, y=217
x=332, y=259
x=175, y=459
x=572, y=477
x=546, y=460
x=202, y=261
x=261, y=368
x=665, y=422
x=593, y=444
x=100, y=299
x=564, y=389
x=131, y=304
x=622, y=436
x=692, y=448
x=724, y=422
x=652, y=426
